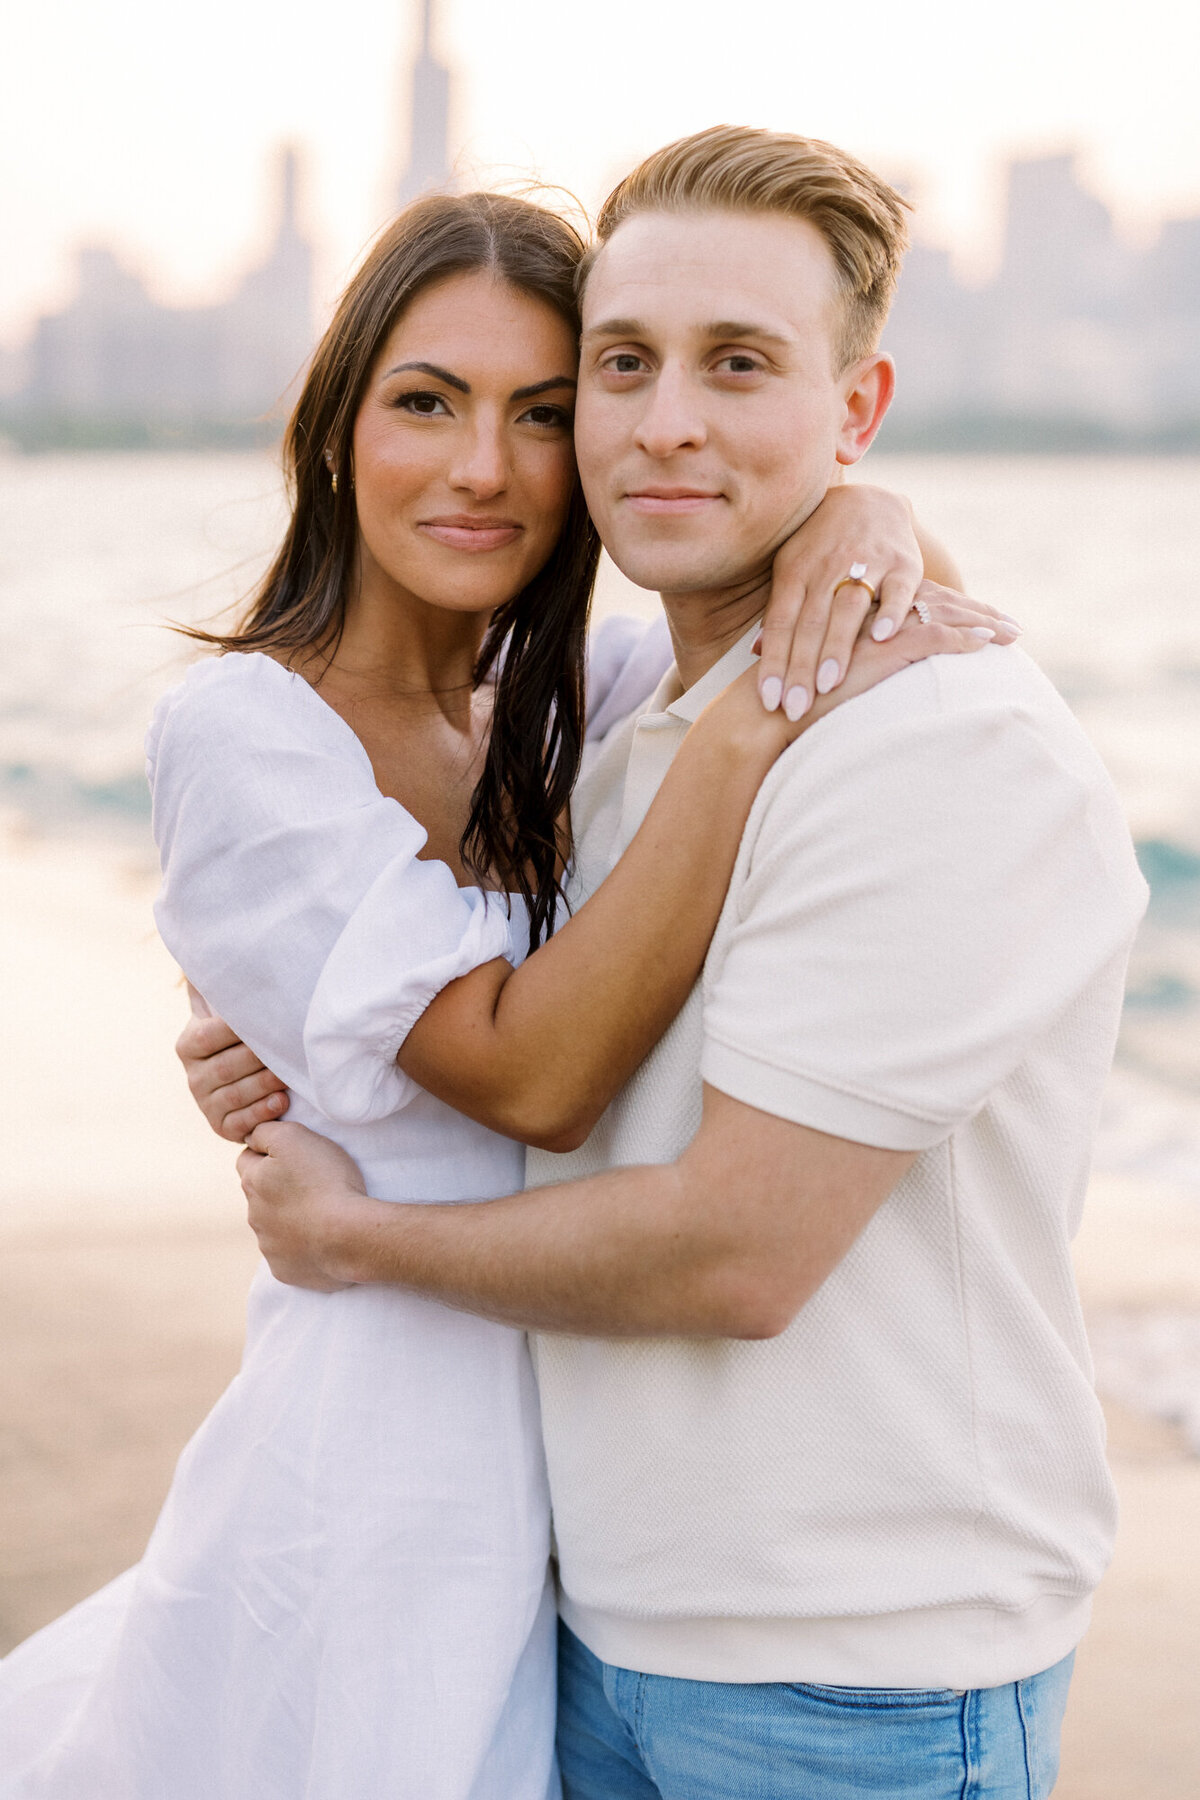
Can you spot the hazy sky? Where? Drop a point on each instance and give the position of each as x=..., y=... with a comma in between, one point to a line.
x=149, y=125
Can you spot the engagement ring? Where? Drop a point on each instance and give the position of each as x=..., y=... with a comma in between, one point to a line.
x=856, y=578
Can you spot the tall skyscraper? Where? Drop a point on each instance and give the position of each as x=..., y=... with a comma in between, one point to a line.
x=267, y=326
x=429, y=136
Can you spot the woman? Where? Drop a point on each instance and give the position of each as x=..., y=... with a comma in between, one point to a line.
x=346, y=1594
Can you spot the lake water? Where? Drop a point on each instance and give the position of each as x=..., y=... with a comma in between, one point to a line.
x=1098, y=557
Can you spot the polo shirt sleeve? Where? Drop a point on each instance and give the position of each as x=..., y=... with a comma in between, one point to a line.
x=925, y=889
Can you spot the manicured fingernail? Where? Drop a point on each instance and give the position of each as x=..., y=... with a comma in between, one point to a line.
x=827, y=676
x=771, y=692
x=756, y=646
x=882, y=629
x=1009, y=620
x=1010, y=625
x=796, y=703
x=981, y=631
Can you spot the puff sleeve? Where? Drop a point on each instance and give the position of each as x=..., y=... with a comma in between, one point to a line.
x=293, y=894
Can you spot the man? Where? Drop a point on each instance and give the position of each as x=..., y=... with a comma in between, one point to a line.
x=827, y=1470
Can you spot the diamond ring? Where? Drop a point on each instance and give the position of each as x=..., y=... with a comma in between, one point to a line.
x=857, y=577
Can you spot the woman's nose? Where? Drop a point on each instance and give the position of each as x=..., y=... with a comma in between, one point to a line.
x=483, y=466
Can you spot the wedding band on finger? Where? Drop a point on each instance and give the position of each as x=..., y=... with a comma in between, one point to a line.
x=921, y=608
x=857, y=577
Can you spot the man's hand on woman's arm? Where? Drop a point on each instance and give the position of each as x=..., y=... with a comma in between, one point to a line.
x=233, y=1089
x=730, y=1241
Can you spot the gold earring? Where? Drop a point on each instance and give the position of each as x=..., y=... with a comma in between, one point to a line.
x=333, y=481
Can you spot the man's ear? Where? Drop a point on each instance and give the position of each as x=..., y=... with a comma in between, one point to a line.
x=867, y=388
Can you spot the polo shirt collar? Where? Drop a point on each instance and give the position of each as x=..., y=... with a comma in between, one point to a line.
x=691, y=703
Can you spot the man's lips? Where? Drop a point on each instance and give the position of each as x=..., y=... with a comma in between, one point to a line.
x=670, y=502
x=464, y=531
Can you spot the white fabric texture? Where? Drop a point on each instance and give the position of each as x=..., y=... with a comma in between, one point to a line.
x=627, y=658
x=922, y=948
x=346, y=1594
x=266, y=814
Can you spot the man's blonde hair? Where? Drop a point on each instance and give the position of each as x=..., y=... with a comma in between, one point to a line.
x=735, y=168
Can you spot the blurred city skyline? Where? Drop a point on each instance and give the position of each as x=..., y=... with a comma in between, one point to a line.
x=1076, y=336
x=145, y=130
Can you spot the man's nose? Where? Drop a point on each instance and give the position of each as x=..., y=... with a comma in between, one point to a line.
x=482, y=465
x=672, y=419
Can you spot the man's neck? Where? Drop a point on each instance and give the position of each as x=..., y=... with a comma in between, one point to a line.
x=705, y=625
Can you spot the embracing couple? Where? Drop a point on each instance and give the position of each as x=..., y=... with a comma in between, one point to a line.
x=803, y=998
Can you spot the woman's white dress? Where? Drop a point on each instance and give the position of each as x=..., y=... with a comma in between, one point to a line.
x=346, y=1594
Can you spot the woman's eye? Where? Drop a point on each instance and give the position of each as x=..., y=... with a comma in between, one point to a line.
x=546, y=415
x=425, y=405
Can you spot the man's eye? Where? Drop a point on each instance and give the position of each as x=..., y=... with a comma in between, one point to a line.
x=424, y=404
x=739, y=365
x=625, y=362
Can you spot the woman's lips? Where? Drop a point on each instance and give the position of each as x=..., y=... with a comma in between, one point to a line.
x=670, y=502
x=464, y=533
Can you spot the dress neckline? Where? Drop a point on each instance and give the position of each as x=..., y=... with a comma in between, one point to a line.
x=340, y=725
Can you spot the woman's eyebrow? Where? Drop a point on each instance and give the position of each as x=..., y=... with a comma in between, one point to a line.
x=424, y=368
x=544, y=387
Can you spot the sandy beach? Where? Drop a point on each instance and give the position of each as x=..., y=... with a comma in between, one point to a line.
x=125, y=1266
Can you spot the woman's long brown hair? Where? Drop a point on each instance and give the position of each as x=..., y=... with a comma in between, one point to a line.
x=535, y=641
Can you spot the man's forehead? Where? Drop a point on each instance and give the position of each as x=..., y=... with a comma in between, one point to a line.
x=763, y=270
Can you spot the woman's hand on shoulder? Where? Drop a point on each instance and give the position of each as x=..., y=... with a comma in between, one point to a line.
x=813, y=626
x=954, y=627
x=946, y=625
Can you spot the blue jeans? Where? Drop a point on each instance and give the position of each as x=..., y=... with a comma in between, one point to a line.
x=625, y=1736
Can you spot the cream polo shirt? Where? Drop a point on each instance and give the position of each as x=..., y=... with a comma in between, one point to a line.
x=923, y=948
